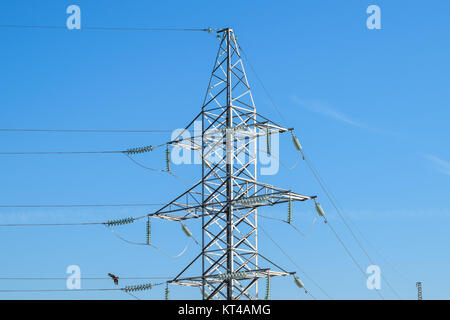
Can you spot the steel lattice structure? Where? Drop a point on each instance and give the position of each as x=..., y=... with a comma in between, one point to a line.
x=228, y=196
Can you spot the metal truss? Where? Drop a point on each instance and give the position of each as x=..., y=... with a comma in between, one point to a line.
x=228, y=196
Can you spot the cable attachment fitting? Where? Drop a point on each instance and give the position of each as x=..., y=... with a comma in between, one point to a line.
x=166, y=291
x=319, y=210
x=268, y=133
x=140, y=287
x=297, y=144
x=119, y=222
x=232, y=275
x=289, y=217
x=254, y=200
x=186, y=230
x=300, y=284
x=267, y=297
x=149, y=230
x=167, y=158
x=139, y=150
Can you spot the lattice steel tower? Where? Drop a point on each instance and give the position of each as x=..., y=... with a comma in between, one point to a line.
x=228, y=195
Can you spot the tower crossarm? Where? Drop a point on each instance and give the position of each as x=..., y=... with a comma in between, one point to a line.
x=238, y=275
x=215, y=133
x=189, y=204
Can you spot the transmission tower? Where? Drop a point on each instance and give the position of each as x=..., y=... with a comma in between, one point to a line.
x=419, y=290
x=228, y=195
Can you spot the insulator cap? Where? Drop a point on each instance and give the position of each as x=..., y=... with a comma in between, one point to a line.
x=186, y=230
x=319, y=209
x=139, y=150
x=254, y=199
x=268, y=141
x=267, y=297
x=140, y=287
x=167, y=159
x=119, y=222
x=296, y=142
x=289, y=219
x=232, y=275
x=149, y=230
x=299, y=282
x=166, y=292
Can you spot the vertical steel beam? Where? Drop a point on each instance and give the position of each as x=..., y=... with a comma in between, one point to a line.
x=229, y=168
x=231, y=233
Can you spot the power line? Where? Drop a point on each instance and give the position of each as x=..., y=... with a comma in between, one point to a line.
x=151, y=245
x=294, y=263
x=284, y=120
x=347, y=250
x=81, y=205
x=96, y=223
x=60, y=152
x=69, y=290
x=85, y=130
x=57, y=290
x=100, y=223
x=105, y=224
x=330, y=198
x=336, y=235
x=82, y=278
x=50, y=224
x=228, y=37
x=124, y=152
x=277, y=109
x=272, y=101
x=144, y=166
x=305, y=235
x=105, y=28
x=128, y=151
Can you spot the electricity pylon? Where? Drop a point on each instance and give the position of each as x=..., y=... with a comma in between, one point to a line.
x=228, y=195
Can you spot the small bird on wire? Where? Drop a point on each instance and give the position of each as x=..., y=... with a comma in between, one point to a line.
x=115, y=278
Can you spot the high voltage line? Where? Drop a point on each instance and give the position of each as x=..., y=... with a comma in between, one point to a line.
x=85, y=130
x=81, y=278
x=127, y=151
x=57, y=290
x=50, y=224
x=80, y=205
x=102, y=223
x=60, y=152
x=124, y=205
x=322, y=185
x=105, y=28
x=96, y=223
x=118, y=205
x=331, y=199
x=124, y=289
x=294, y=263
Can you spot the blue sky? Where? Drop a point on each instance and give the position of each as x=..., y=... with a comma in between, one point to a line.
x=370, y=107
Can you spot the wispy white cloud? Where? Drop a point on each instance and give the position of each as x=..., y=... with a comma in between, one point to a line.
x=325, y=110
x=441, y=165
